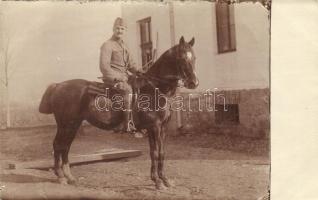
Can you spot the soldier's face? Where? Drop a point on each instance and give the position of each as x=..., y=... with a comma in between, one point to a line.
x=119, y=32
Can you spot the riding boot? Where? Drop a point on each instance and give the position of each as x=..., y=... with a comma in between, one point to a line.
x=127, y=125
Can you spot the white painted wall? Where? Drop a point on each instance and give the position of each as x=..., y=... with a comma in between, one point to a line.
x=246, y=68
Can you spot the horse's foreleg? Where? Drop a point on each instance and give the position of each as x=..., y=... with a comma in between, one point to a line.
x=154, y=155
x=161, y=173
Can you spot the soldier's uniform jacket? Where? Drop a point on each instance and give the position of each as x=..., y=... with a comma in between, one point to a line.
x=115, y=60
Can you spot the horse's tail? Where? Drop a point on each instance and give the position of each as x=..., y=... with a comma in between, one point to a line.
x=45, y=105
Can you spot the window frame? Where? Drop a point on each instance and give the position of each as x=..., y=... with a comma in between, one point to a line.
x=230, y=28
x=145, y=45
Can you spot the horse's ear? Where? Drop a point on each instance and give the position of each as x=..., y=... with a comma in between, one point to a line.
x=181, y=41
x=192, y=42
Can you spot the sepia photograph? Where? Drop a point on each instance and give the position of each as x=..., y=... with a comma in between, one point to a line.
x=135, y=100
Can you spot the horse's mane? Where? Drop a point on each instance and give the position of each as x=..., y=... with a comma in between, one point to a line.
x=155, y=72
x=166, y=58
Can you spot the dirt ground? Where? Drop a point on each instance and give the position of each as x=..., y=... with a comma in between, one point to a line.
x=201, y=167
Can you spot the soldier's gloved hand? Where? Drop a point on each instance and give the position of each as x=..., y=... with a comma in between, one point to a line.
x=139, y=73
x=135, y=70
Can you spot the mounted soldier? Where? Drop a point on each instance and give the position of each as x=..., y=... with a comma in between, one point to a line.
x=116, y=64
x=73, y=101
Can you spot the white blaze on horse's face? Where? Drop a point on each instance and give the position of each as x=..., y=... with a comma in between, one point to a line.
x=189, y=55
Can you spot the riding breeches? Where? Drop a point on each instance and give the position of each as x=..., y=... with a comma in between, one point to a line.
x=126, y=91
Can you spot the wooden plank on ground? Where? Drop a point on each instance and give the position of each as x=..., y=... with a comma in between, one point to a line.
x=104, y=155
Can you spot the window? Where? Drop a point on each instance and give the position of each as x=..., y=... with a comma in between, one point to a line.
x=225, y=27
x=145, y=41
x=227, y=114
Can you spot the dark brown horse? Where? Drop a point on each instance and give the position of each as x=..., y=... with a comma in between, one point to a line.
x=71, y=103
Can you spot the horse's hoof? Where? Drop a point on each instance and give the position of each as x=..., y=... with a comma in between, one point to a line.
x=138, y=135
x=160, y=186
x=72, y=181
x=168, y=183
x=62, y=180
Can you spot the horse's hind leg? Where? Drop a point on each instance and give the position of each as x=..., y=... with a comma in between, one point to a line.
x=70, y=132
x=58, y=148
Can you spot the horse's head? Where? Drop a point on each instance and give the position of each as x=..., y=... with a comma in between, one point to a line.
x=185, y=63
x=176, y=64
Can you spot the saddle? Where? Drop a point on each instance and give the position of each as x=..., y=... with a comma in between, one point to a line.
x=99, y=88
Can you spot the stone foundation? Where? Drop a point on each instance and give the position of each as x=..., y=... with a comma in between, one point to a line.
x=253, y=118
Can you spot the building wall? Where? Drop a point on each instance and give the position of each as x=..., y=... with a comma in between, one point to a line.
x=243, y=73
x=245, y=68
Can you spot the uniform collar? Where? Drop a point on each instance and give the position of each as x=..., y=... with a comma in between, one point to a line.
x=120, y=41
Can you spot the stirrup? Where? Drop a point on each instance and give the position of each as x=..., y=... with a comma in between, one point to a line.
x=131, y=128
